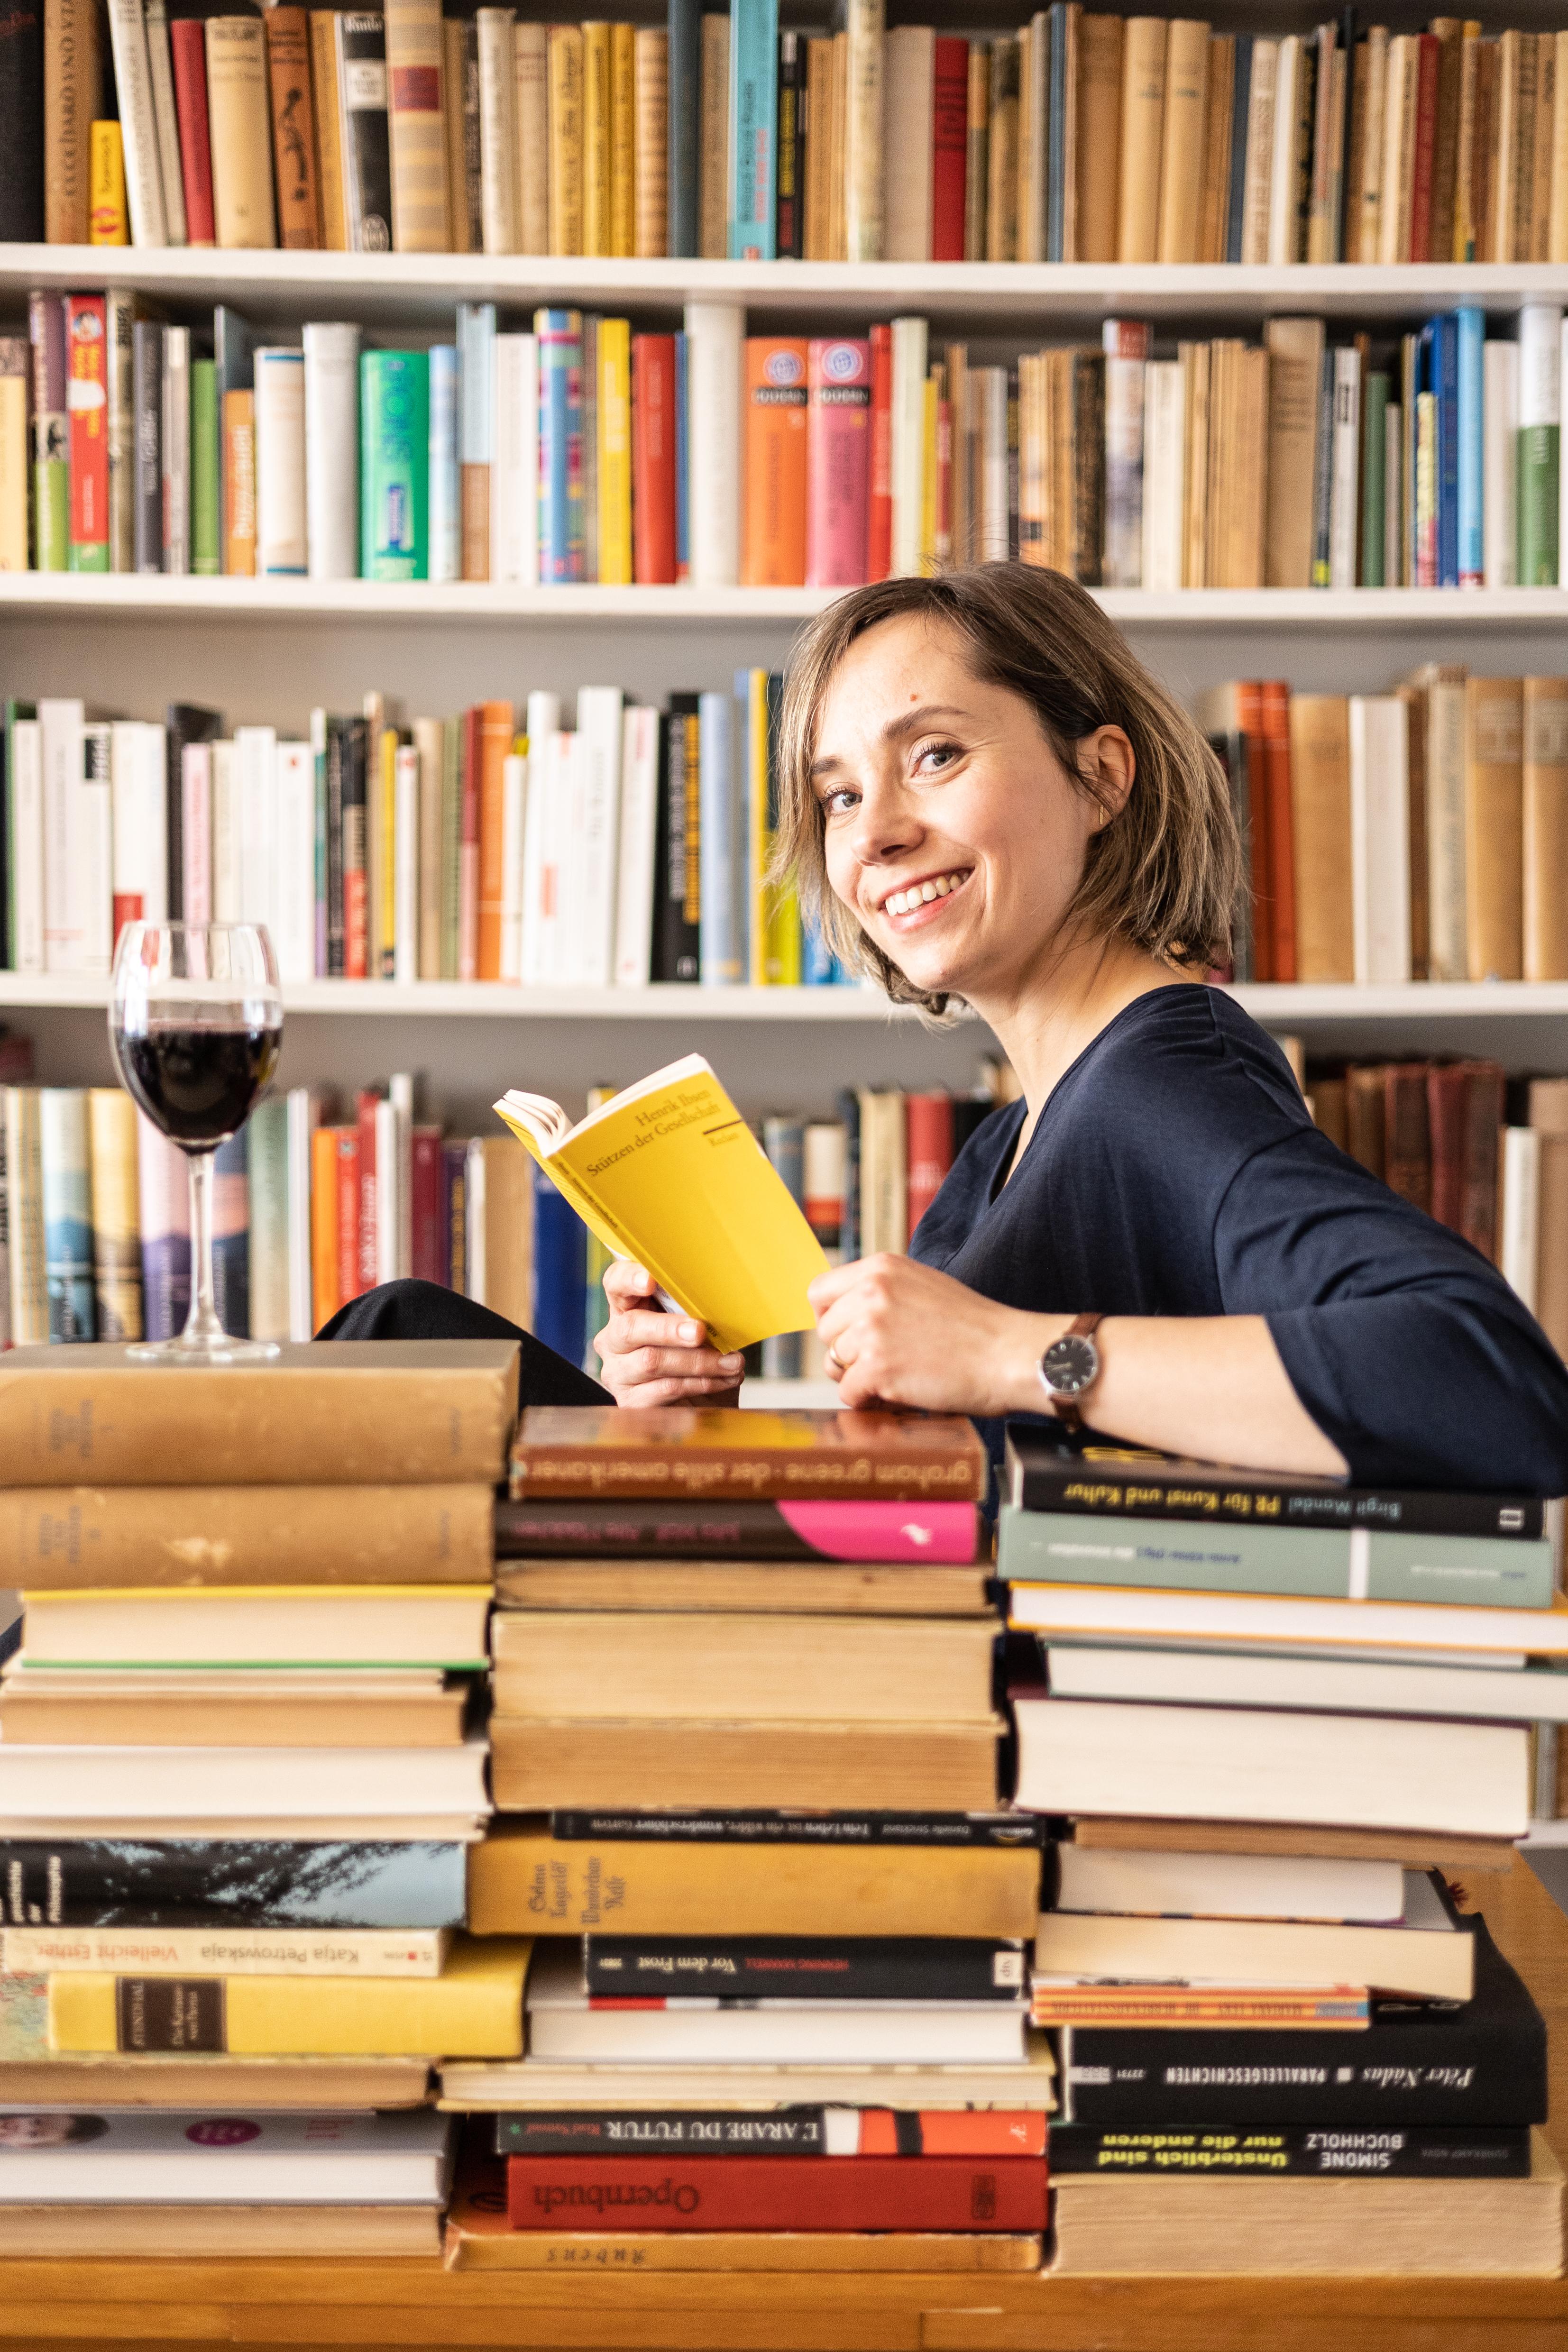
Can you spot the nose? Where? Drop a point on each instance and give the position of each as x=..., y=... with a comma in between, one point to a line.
x=887, y=825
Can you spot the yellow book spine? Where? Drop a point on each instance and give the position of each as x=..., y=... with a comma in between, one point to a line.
x=596, y=138
x=758, y=831
x=564, y=60
x=116, y=1214
x=614, y=452
x=623, y=140
x=108, y=220
x=14, y=469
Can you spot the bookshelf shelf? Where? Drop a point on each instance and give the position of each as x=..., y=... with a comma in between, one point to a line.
x=287, y=599
x=401, y=286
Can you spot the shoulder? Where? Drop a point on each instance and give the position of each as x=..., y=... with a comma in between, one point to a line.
x=1185, y=1063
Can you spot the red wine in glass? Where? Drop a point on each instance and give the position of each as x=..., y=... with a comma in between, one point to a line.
x=199, y=1084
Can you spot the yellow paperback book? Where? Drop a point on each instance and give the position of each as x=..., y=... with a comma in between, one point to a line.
x=616, y=448
x=668, y=1173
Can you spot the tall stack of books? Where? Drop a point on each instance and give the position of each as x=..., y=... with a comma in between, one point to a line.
x=745, y=1731
x=1282, y=1719
x=237, y=1785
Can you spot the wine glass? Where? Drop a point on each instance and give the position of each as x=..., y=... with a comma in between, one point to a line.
x=196, y=1019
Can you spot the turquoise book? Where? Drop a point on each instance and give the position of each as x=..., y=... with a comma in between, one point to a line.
x=394, y=465
x=754, y=119
x=1306, y=1563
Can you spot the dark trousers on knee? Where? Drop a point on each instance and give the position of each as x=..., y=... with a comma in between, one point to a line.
x=424, y=1310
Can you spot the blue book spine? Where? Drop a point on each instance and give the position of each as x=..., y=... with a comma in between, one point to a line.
x=446, y=509
x=65, y=1181
x=231, y=1234
x=476, y=373
x=561, y=543
x=1240, y=106
x=682, y=534
x=722, y=962
x=559, y=1272
x=783, y=1141
x=1446, y=361
x=753, y=128
x=818, y=966
x=1472, y=331
x=685, y=127
x=1056, y=152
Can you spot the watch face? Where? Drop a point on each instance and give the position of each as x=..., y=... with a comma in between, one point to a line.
x=1069, y=1365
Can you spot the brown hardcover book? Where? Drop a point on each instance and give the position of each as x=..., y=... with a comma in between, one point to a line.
x=1366, y=1115
x=1542, y=147
x=976, y=151
x=53, y=1539
x=1483, y=180
x=249, y=1709
x=1552, y=1231
x=713, y=170
x=326, y=110
x=1408, y=1132
x=417, y=127
x=837, y=148
x=1002, y=191
x=1327, y=1099
x=1415, y=698
x=1214, y=211
x=293, y=129
x=500, y=1222
x=692, y=1452
x=1320, y=819
x=1361, y=131
x=1449, y=33
x=521, y=1880
x=565, y=65
x=1465, y=1106
x=1399, y=148
x=221, y=2085
x=1088, y=467
x=674, y=1664
x=72, y=89
x=1034, y=130
x=453, y=112
x=1545, y=828
x=1513, y=156
x=1494, y=828
x=1097, y=152
x=1295, y=348
x=1181, y=140
x=1427, y=60
x=1413, y=1849
x=540, y=1764
x=396, y=1412
x=818, y=111
x=787, y=1587
x=1142, y=138
x=241, y=119
x=177, y=2232
x=1244, y=458
x=652, y=85
x=1279, y=826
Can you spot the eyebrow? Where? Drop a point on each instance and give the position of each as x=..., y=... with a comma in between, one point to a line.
x=908, y=722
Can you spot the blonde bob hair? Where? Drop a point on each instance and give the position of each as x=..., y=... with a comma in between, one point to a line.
x=1166, y=873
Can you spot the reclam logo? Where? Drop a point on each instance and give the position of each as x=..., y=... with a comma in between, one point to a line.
x=605, y=2196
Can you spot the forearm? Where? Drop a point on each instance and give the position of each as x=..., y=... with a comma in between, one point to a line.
x=1212, y=1386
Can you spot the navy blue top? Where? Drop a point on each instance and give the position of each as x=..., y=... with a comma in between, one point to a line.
x=1174, y=1171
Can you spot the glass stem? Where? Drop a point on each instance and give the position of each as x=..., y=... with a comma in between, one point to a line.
x=203, y=1322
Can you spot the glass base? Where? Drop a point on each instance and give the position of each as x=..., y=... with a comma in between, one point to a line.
x=215, y=1348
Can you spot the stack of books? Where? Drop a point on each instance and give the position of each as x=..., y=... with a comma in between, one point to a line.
x=238, y=1777
x=1278, y=1716
x=745, y=1720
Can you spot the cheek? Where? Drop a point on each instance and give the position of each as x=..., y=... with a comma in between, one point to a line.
x=839, y=861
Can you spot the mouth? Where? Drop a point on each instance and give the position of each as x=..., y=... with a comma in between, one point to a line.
x=915, y=904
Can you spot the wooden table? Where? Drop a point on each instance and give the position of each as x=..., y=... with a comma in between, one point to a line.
x=316, y=2303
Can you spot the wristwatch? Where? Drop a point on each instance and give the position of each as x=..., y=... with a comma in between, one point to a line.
x=1070, y=1369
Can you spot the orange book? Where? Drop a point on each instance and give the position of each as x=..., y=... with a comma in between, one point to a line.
x=325, y=1299
x=239, y=482
x=773, y=520
x=495, y=742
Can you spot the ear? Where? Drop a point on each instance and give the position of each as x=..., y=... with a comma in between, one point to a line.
x=1107, y=764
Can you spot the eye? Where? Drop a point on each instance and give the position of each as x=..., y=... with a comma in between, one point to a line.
x=840, y=801
x=930, y=759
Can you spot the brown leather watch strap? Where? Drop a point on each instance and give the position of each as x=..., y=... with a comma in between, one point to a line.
x=1065, y=1408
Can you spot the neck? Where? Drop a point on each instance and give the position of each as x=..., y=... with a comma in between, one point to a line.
x=1057, y=1008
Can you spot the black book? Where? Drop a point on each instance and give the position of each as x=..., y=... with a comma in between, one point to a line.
x=848, y=1110
x=1041, y=1473
x=589, y=1530
x=353, y=870
x=803, y=1968
x=1397, y=2154
x=684, y=214
x=804, y=1828
x=678, y=893
x=22, y=113
x=147, y=444
x=231, y=1883
x=789, y=227
x=969, y=1113
x=337, y=755
x=1229, y=749
x=637, y=2131
x=1444, y=2064
x=183, y=723
x=366, y=144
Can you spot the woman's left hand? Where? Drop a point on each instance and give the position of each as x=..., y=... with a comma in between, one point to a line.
x=906, y=1335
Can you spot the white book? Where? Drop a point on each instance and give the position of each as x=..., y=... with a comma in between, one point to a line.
x=446, y=503
x=1498, y=1689
x=304, y=1117
x=59, y=735
x=909, y=68
x=1258, y=187
x=475, y=1220
x=1158, y=1884
x=1283, y=217
x=256, y=821
x=639, y=825
x=1539, y=364
x=281, y=534
x=225, y=1951
x=227, y=896
x=1164, y=470
x=138, y=123
x=139, y=2158
x=714, y=331
x=137, y=798
x=561, y=922
x=400, y=1094
x=1521, y=1211
x=514, y=465
x=92, y=847
x=405, y=864
x=331, y=449
x=544, y=720
x=1124, y=474
x=514, y=810
x=97, y=1784
x=26, y=797
x=293, y=917
x=175, y=450
x=1380, y=838
x=1499, y=493
x=909, y=443
x=161, y=70
x=498, y=129
x=388, y=1190
x=1345, y=479
x=595, y=842
x=196, y=832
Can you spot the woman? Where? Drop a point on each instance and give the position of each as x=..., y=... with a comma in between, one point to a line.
x=985, y=796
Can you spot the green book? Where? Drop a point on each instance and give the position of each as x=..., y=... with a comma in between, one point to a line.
x=1373, y=468
x=1537, y=453
x=1306, y=1563
x=206, y=558
x=451, y=843
x=394, y=465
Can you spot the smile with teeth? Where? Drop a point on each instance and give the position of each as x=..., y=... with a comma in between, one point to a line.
x=919, y=894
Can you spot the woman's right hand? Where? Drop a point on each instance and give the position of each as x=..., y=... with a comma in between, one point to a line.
x=647, y=1357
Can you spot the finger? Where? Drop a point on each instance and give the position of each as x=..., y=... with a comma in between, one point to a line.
x=642, y=1364
x=826, y=1288
x=684, y=1392
x=627, y=1283
x=648, y=1329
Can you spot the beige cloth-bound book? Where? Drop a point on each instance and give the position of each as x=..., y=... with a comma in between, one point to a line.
x=1142, y=137
x=241, y=123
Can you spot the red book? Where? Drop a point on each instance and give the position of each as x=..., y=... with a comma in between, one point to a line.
x=653, y=460
x=775, y=2192
x=928, y=1150
x=1466, y=1101
x=1279, y=828
x=879, y=526
x=349, y=1283
x=1426, y=146
x=424, y=1204
x=87, y=398
x=950, y=129
x=187, y=38
x=468, y=854
x=365, y=1111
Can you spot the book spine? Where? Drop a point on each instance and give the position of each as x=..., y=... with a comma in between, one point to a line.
x=775, y=466
x=716, y=138
x=723, y=959
x=211, y=1951
x=190, y=1883
x=416, y=127
x=175, y=451
x=332, y=450
x=51, y=430
x=778, y=2192
x=29, y=1294
x=206, y=553
x=880, y=502
x=88, y=407
x=713, y=335
x=653, y=458
x=1540, y=416
x=497, y=131
x=476, y=372
x=22, y=109
x=753, y=127
x=240, y=117
x=565, y=69
x=280, y=524
x=16, y=371
x=187, y=40
x=364, y=137
x=838, y=435
x=395, y=425
x=561, y=547
x=293, y=129
x=115, y=1207
x=139, y=131
x=65, y=1173
x=685, y=67
x=614, y=452
x=1398, y=2155
x=444, y=481
x=326, y=110
x=626, y=1970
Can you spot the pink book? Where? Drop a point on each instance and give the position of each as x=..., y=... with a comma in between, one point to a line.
x=196, y=832
x=164, y=1186
x=838, y=461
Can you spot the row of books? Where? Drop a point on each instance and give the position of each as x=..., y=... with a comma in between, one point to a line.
x=1418, y=834
x=1080, y=138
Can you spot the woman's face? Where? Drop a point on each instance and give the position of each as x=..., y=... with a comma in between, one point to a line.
x=35, y=2131
x=952, y=831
